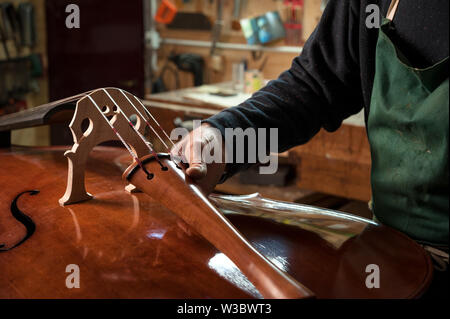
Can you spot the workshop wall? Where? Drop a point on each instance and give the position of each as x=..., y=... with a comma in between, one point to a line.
x=39, y=92
x=276, y=62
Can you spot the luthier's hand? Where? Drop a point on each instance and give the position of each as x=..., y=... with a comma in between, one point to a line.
x=190, y=150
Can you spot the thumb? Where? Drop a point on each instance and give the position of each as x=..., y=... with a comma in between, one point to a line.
x=197, y=170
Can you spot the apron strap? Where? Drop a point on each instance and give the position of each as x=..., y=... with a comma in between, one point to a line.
x=392, y=9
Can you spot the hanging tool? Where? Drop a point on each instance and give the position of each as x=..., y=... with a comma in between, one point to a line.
x=27, y=23
x=235, y=24
x=192, y=63
x=11, y=28
x=166, y=12
x=217, y=29
x=3, y=40
x=294, y=21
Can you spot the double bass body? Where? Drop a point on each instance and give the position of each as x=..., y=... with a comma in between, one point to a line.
x=170, y=240
x=130, y=246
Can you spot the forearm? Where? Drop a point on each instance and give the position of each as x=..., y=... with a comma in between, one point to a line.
x=320, y=90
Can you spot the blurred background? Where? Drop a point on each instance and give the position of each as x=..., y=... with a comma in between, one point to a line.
x=187, y=59
x=143, y=46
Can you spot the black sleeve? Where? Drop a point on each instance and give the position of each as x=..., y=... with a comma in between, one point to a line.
x=321, y=89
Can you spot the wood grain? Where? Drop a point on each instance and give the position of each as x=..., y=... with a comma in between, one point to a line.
x=336, y=163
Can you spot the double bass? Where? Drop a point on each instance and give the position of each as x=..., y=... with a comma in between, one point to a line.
x=145, y=230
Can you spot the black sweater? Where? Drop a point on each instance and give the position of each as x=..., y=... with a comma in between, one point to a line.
x=332, y=78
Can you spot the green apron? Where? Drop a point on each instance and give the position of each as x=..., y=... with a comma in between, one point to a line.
x=408, y=135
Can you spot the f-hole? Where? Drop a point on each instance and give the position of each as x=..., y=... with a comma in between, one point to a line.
x=23, y=219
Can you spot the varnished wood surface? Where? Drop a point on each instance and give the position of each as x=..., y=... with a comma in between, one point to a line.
x=128, y=246
x=177, y=192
